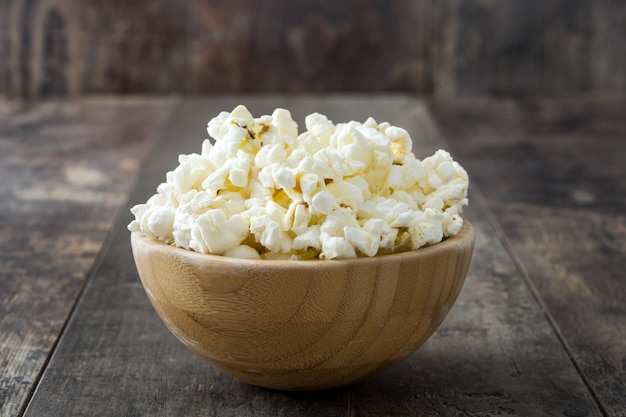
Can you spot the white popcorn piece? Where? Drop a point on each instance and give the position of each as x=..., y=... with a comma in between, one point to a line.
x=332, y=235
x=386, y=234
x=226, y=148
x=270, y=153
x=263, y=126
x=395, y=179
x=217, y=126
x=296, y=218
x=367, y=209
x=284, y=123
x=206, y=148
x=296, y=156
x=451, y=224
x=370, y=123
x=258, y=191
x=402, y=196
x=190, y=172
x=231, y=203
x=352, y=147
x=310, y=238
x=309, y=184
x=401, y=143
x=161, y=222
x=427, y=229
x=375, y=234
x=313, y=168
x=239, y=169
x=266, y=226
x=337, y=248
x=241, y=116
x=215, y=233
x=433, y=201
x=335, y=222
x=332, y=159
x=364, y=241
x=333, y=191
x=154, y=221
x=323, y=202
x=216, y=180
x=319, y=127
x=283, y=177
x=242, y=252
x=445, y=171
x=309, y=143
x=346, y=194
x=183, y=224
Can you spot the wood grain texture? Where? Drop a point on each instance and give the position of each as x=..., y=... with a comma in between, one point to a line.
x=60, y=47
x=494, y=354
x=303, y=326
x=552, y=173
x=66, y=167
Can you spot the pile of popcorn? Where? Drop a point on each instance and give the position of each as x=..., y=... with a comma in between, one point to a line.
x=335, y=191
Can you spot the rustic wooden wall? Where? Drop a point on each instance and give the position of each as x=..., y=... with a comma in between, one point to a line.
x=443, y=47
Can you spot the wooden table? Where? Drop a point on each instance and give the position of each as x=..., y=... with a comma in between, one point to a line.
x=539, y=328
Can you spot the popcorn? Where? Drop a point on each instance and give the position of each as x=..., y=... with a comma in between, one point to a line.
x=309, y=239
x=297, y=218
x=352, y=148
x=155, y=221
x=266, y=225
x=323, y=202
x=243, y=252
x=214, y=232
x=346, y=194
x=263, y=191
x=401, y=143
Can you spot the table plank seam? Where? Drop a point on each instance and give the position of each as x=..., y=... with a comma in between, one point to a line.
x=106, y=243
x=519, y=265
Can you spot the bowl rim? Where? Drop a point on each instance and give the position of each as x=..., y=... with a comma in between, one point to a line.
x=463, y=238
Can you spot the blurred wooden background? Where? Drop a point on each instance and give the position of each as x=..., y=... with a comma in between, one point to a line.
x=438, y=47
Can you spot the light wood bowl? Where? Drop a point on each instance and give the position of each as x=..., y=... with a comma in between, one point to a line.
x=303, y=325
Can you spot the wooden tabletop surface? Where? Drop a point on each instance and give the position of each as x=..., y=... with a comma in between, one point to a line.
x=539, y=327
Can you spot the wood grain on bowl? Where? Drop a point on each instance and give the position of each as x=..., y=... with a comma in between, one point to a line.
x=303, y=325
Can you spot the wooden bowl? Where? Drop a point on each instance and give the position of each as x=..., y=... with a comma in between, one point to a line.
x=303, y=325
